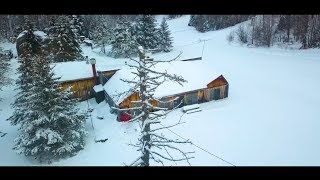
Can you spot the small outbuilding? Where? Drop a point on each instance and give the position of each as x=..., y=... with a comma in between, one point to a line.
x=98, y=93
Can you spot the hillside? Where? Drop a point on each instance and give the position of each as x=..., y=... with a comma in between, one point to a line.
x=270, y=117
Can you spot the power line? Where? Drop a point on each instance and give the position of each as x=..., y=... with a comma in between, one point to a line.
x=199, y=146
x=195, y=42
x=90, y=114
x=181, y=31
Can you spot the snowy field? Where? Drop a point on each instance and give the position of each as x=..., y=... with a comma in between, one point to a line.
x=271, y=117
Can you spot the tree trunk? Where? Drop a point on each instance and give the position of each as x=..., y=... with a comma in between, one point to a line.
x=146, y=130
x=146, y=139
x=10, y=25
x=252, y=34
x=305, y=23
x=103, y=48
x=288, y=27
x=271, y=30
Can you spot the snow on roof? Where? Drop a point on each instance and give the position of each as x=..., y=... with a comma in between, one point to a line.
x=40, y=34
x=195, y=72
x=21, y=34
x=116, y=88
x=98, y=88
x=75, y=70
x=87, y=41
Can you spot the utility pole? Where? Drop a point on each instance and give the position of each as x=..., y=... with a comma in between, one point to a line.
x=204, y=41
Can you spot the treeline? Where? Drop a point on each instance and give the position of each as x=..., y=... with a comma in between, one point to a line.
x=123, y=32
x=269, y=30
x=13, y=25
x=204, y=23
x=264, y=30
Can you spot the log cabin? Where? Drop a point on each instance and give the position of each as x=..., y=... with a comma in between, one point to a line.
x=79, y=76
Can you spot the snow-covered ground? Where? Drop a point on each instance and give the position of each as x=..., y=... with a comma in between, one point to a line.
x=271, y=116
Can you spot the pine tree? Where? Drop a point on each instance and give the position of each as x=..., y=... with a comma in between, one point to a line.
x=103, y=36
x=63, y=45
x=199, y=24
x=172, y=16
x=54, y=129
x=31, y=44
x=76, y=25
x=30, y=47
x=165, y=41
x=4, y=69
x=192, y=20
x=206, y=26
x=50, y=127
x=124, y=43
x=146, y=32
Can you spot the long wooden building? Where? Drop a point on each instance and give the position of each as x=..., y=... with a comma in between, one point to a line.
x=202, y=85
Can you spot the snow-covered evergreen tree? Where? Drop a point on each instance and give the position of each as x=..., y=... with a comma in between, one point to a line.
x=199, y=23
x=172, y=16
x=102, y=36
x=76, y=25
x=4, y=79
x=165, y=40
x=4, y=69
x=152, y=144
x=192, y=20
x=50, y=126
x=31, y=44
x=53, y=128
x=30, y=47
x=63, y=45
x=206, y=26
x=146, y=32
x=124, y=43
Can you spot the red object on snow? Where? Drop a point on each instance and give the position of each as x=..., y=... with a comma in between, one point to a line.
x=125, y=117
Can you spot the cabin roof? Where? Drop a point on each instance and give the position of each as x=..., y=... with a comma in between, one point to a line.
x=218, y=78
x=195, y=72
x=77, y=70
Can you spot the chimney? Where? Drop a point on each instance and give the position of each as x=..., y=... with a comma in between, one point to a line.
x=94, y=72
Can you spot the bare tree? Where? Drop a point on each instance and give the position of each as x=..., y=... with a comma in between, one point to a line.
x=152, y=144
x=242, y=35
